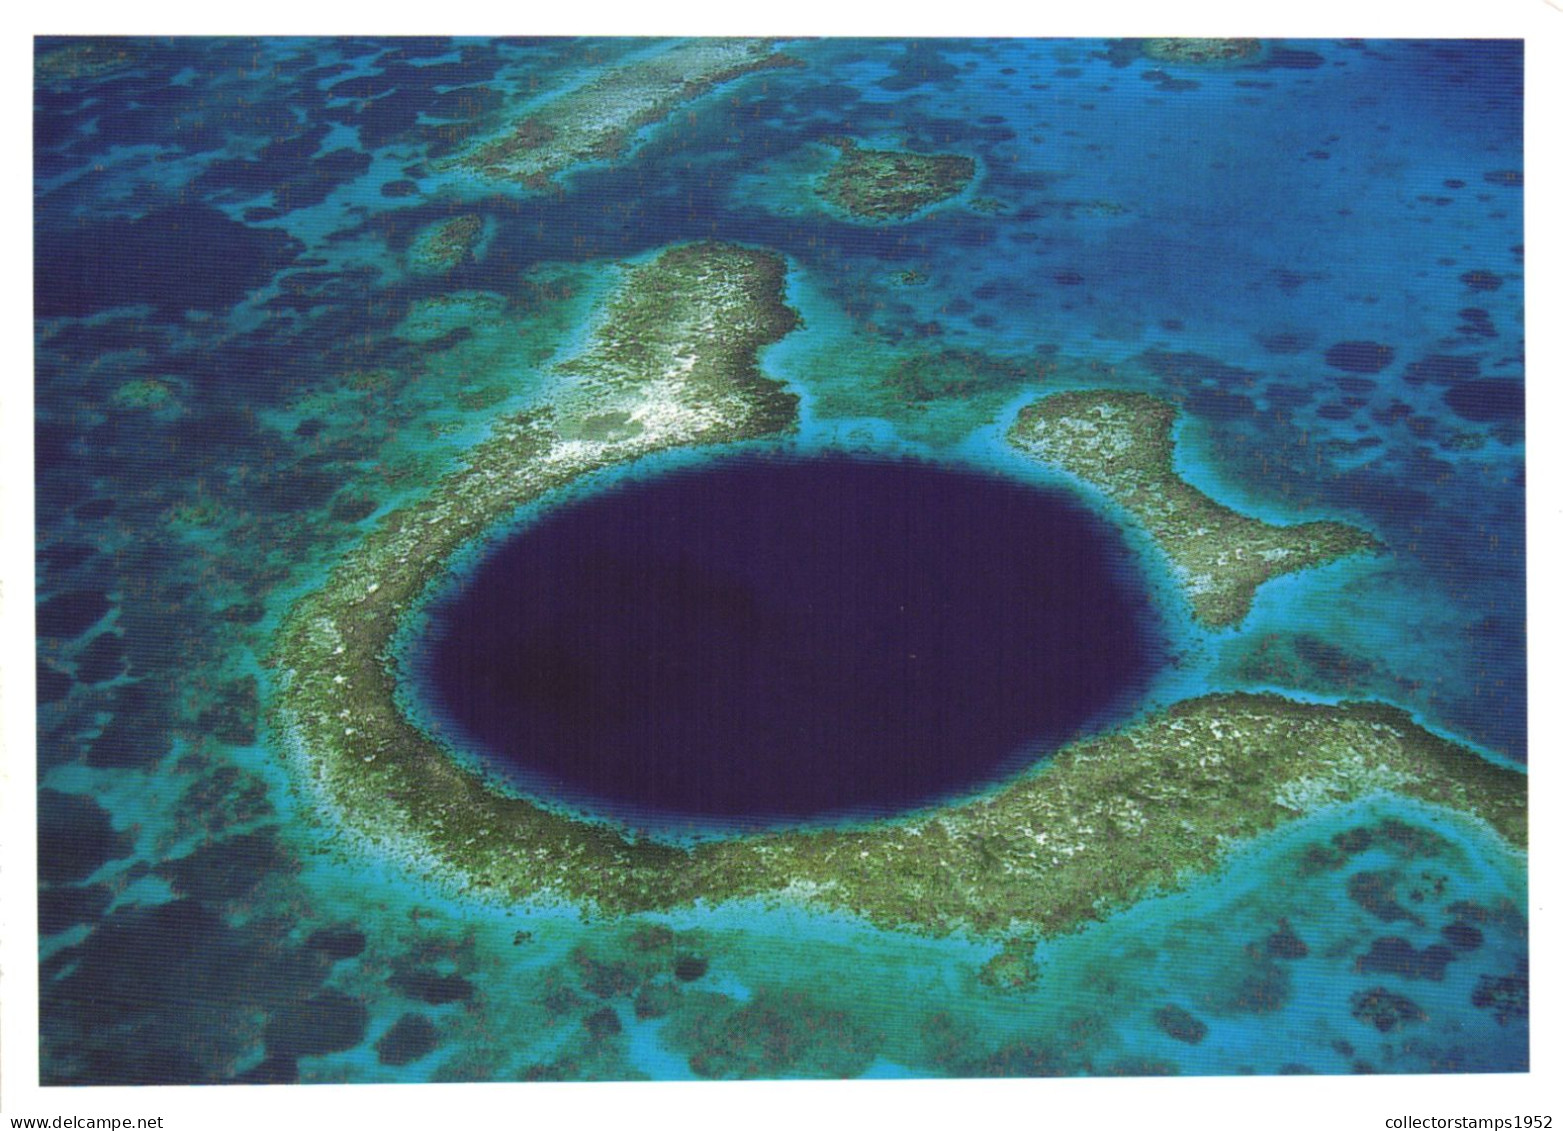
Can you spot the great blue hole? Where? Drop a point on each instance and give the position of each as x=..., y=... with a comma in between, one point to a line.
x=775, y=640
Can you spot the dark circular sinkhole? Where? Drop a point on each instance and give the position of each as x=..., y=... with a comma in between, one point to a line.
x=775, y=640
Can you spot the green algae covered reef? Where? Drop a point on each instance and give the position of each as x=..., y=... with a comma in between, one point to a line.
x=85, y=59
x=446, y=245
x=597, y=121
x=1122, y=444
x=671, y=360
x=888, y=184
x=1200, y=51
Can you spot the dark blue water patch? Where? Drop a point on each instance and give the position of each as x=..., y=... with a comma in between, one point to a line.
x=1166, y=83
x=831, y=97
x=1462, y=935
x=381, y=120
x=229, y=869
x=1442, y=369
x=1475, y=322
x=919, y=63
x=53, y=684
x=55, y=445
x=145, y=107
x=389, y=104
x=60, y=118
x=183, y=257
x=70, y=614
x=1481, y=279
x=1490, y=400
x=1359, y=357
x=76, y=837
x=418, y=47
x=271, y=1070
x=1285, y=943
x=363, y=86
x=1395, y=955
x=355, y=47
x=168, y=995
x=102, y=659
x=1216, y=404
x=1480, y=66
x=1507, y=996
x=1385, y=1011
x=410, y=1039
x=1395, y=412
x=1179, y=1024
x=73, y=346
x=317, y=75
x=61, y=908
x=1282, y=397
x=139, y=733
x=1286, y=343
x=465, y=102
x=93, y=509
x=1120, y=53
x=477, y=62
x=932, y=134
x=277, y=362
x=149, y=454
x=290, y=169
x=334, y=301
x=338, y=943
x=432, y=987
x=1289, y=59
x=232, y=712
x=774, y=639
x=299, y=487
x=1188, y=369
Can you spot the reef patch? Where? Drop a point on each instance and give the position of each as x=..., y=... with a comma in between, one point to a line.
x=890, y=184
x=597, y=122
x=1122, y=444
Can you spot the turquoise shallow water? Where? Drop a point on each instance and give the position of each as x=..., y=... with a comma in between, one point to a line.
x=240, y=369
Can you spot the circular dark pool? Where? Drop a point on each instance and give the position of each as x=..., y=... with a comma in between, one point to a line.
x=766, y=640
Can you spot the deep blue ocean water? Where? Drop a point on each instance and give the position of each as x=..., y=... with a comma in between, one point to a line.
x=783, y=640
x=1318, y=255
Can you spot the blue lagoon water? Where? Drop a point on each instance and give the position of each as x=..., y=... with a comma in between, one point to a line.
x=244, y=364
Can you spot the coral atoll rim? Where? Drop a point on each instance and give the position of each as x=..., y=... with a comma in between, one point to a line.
x=1109, y=820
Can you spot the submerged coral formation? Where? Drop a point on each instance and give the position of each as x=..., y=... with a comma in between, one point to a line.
x=1122, y=444
x=889, y=184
